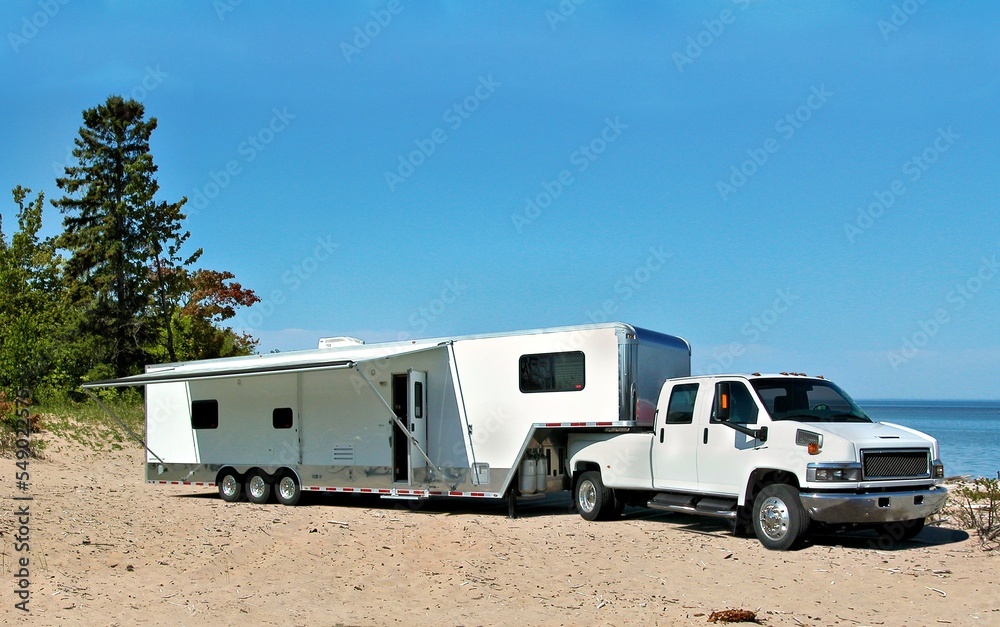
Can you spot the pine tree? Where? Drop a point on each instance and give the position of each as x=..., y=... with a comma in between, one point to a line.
x=123, y=245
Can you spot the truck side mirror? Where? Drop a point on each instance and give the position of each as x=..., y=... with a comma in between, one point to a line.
x=761, y=434
x=723, y=401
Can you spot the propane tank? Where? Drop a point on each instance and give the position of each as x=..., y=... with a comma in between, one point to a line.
x=528, y=474
x=542, y=472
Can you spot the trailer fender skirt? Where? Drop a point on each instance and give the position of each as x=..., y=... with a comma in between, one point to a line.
x=403, y=492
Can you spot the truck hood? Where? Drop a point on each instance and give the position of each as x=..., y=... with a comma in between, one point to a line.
x=879, y=434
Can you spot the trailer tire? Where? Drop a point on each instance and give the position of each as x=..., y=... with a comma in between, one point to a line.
x=230, y=485
x=258, y=487
x=779, y=520
x=594, y=501
x=287, y=490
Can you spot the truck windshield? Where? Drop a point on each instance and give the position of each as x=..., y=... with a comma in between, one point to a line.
x=807, y=400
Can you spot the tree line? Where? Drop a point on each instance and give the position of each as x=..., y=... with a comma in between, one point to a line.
x=116, y=289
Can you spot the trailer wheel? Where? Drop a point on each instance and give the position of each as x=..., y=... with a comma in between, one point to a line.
x=258, y=489
x=779, y=520
x=594, y=501
x=287, y=490
x=230, y=486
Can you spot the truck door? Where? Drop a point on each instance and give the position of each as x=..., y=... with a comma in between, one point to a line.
x=723, y=452
x=675, y=440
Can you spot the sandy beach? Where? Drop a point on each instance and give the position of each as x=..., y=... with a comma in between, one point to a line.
x=106, y=548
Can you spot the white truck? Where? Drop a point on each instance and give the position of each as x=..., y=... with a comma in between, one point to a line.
x=772, y=453
x=608, y=411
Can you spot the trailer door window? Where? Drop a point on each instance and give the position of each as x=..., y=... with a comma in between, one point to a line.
x=205, y=414
x=281, y=418
x=552, y=372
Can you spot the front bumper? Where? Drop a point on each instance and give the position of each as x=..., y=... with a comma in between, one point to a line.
x=874, y=508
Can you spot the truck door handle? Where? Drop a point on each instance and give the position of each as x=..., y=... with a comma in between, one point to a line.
x=661, y=435
x=704, y=437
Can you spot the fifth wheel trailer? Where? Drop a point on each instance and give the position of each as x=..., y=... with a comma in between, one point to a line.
x=609, y=411
x=436, y=417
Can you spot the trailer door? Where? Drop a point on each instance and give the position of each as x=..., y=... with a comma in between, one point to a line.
x=417, y=412
x=409, y=402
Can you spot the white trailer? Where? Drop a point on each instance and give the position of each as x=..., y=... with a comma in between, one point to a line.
x=426, y=418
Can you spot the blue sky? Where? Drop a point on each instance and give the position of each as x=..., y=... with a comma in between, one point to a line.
x=789, y=186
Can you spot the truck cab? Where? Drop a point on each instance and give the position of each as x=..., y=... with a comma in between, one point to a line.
x=773, y=453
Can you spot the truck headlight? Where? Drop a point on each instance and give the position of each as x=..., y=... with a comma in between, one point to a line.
x=834, y=472
x=937, y=469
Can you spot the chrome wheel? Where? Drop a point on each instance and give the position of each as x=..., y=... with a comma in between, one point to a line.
x=774, y=518
x=230, y=488
x=779, y=520
x=594, y=501
x=258, y=489
x=287, y=490
x=586, y=496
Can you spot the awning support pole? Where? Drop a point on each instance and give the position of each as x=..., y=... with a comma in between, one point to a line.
x=399, y=423
x=109, y=412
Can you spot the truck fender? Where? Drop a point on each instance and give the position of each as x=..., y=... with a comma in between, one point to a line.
x=761, y=477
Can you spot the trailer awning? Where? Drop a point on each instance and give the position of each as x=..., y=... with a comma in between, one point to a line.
x=168, y=375
x=247, y=367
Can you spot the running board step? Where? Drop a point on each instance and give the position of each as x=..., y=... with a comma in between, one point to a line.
x=693, y=504
x=402, y=497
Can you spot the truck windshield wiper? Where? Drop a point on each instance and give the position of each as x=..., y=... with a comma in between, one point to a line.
x=808, y=417
x=852, y=417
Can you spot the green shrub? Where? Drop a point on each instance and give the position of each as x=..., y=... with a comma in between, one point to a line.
x=979, y=509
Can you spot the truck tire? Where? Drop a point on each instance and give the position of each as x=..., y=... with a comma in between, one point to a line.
x=892, y=532
x=594, y=501
x=287, y=489
x=230, y=485
x=779, y=520
x=258, y=488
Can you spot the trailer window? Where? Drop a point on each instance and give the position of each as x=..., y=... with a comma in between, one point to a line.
x=205, y=414
x=281, y=418
x=680, y=410
x=552, y=372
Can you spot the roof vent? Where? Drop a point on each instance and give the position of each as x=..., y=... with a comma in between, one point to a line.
x=339, y=342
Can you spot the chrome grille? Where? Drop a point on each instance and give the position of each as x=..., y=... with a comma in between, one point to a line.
x=896, y=464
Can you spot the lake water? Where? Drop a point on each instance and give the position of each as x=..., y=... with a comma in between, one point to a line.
x=968, y=431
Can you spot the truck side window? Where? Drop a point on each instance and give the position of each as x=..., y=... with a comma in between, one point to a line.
x=680, y=409
x=744, y=409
